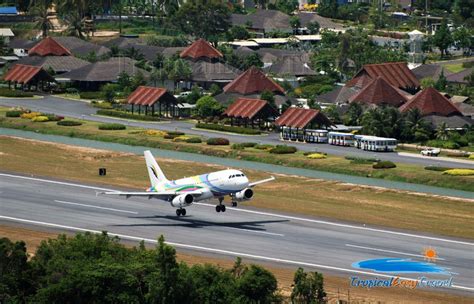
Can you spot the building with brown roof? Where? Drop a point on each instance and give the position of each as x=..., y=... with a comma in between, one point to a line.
x=253, y=81
x=49, y=47
x=290, y=68
x=201, y=49
x=249, y=110
x=460, y=77
x=379, y=92
x=395, y=73
x=431, y=102
x=58, y=64
x=149, y=97
x=264, y=21
x=300, y=118
x=27, y=75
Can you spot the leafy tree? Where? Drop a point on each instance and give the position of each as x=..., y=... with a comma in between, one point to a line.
x=308, y=287
x=262, y=3
x=313, y=27
x=441, y=83
x=427, y=82
x=215, y=89
x=137, y=80
x=252, y=60
x=463, y=12
x=159, y=60
x=287, y=6
x=332, y=113
x=382, y=121
x=124, y=80
x=109, y=91
x=353, y=114
x=270, y=97
x=295, y=23
x=415, y=127
x=462, y=36
x=443, y=39
x=257, y=285
x=42, y=21
x=206, y=19
x=207, y=106
x=328, y=8
x=213, y=284
x=238, y=32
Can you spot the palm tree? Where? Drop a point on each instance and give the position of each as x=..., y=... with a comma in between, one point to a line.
x=416, y=128
x=169, y=6
x=442, y=132
x=75, y=25
x=42, y=20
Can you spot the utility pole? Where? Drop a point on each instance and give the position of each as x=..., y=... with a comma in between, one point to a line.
x=426, y=16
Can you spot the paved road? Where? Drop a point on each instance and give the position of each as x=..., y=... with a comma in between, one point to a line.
x=250, y=233
x=82, y=110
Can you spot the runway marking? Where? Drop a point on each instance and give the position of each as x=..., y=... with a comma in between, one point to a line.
x=92, y=206
x=216, y=250
x=390, y=251
x=269, y=214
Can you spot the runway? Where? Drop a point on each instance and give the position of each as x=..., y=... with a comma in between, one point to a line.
x=250, y=233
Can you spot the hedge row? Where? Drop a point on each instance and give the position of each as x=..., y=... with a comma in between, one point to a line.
x=5, y=92
x=385, y=164
x=243, y=145
x=91, y=95
x=14, y=113
x=121, y=114
x=361, y=160
x=437, y=168
x=459, y=172
x=69, y=123
x=112, y=126
x=283, y=149
x=217, y=141
x=231, y=129
x=194, y=140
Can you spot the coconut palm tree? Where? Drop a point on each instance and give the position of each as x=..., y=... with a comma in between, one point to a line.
x=442, y=132
x=40, y=9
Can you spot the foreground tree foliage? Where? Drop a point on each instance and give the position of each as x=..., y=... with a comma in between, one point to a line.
x=96, y=268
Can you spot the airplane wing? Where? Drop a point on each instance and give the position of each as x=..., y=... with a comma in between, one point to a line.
x=251, y=185
x=164, y=195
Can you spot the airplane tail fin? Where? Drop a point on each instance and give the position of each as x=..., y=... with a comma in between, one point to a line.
x=154, y=171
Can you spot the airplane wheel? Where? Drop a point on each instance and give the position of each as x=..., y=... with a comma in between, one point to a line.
x=223, y=208
x=218, y=208
x=178, y=212
x=183, y=212
x=234, y=204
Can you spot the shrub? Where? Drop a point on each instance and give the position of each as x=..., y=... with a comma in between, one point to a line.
x=181, y=138
x=53, y=117
x=471, y=156
x=173, y=134
x=361, y=160
x=194, y=140
x=248, y=144
x=237, y=147
x=446, y=144
x=121, y=114
x=283, y=149
x=264, y=147
x=316, y=156
x=459, y=172
x=72, y=91
x=40, y=118
x=103, y=105
x=14, y=113
x=437, y=168
x=68, y=123
x=112, y=126
x=154, y=133
x=90, y=95
x=384, y=164
x=217, y=141
x=6, y=92
x=30, y=115
x=231, y=129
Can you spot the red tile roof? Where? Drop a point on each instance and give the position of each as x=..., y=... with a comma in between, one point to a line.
x=199, y=49
x=300, y=118
x=430, y=101
x=379, y=92
x=21, y=73
x=252, y=81
x=248, y=108
x=145, y=96
x=396, y=73
x=359, y=81
x=49, y=47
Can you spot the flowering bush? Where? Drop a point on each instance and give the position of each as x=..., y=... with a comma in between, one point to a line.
x=217, y=141
x=316, y=156
x=459, y=172
x=154, y=133
x=30, y=115
x=40, y=118
x=182, y=138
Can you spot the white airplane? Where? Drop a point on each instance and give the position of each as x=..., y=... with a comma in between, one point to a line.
x=184, y=192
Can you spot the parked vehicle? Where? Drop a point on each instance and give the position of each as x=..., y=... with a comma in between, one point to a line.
x=430, y=152
x=374, y=143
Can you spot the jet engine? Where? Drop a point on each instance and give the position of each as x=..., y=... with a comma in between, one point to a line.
x=182, y=200
x=244, y=195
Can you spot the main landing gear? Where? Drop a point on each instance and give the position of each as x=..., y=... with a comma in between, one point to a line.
x=181, y=212
x=220, y=207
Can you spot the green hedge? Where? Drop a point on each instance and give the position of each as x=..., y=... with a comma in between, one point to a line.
x=112, y=126
x=283, y=149
x=173, y=134
x=239, y=130
x=361, y=160
x=53, y=117
x=194, y=140
x=14, y=113
x=437, y=168
x=68, y=123
x=217, y=141
x=446, y=144
x=91, y=95
x=385, y=164
x=243, y=145
x=5, y=92
x=264, y=147
x=121, y=114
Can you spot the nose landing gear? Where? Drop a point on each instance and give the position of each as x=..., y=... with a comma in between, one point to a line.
x=181, y=212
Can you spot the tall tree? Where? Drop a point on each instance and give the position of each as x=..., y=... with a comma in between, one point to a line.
x=308, y=288
x=41, y=12
x=443, y=39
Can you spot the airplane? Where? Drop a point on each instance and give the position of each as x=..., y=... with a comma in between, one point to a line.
x=184, y=192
